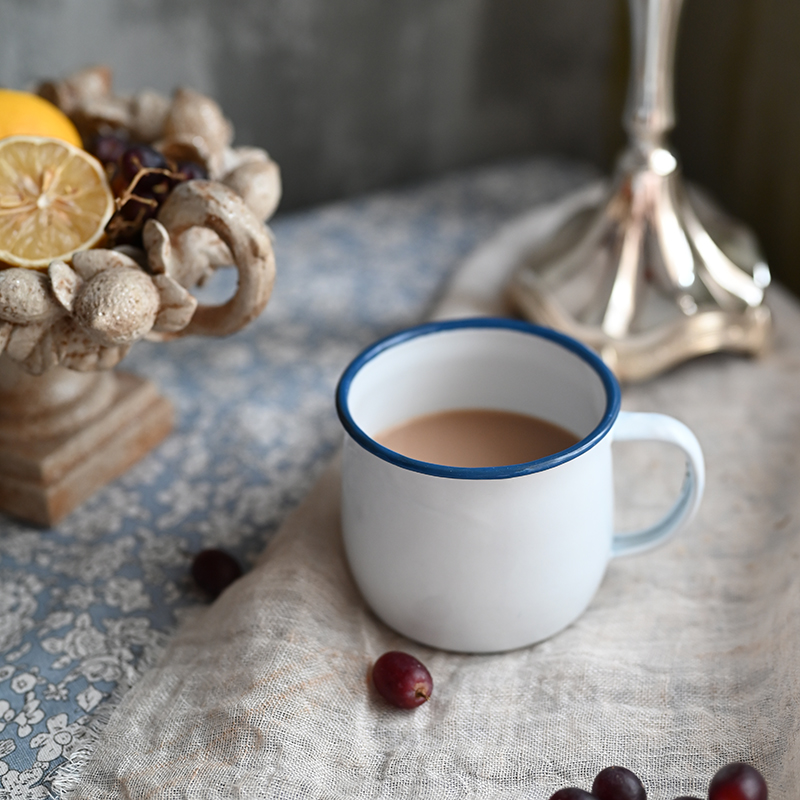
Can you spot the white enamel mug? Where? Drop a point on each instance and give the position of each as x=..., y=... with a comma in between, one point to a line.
x=490, y=559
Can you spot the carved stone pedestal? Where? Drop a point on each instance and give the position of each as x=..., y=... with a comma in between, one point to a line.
x=65, y=434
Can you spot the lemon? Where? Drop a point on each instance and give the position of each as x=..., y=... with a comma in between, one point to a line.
x=54, y=200
x=26, y=114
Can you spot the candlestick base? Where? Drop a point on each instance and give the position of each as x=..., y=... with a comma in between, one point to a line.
x=652, y=275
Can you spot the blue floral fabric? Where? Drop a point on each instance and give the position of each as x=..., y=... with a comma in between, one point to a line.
x=85, y=607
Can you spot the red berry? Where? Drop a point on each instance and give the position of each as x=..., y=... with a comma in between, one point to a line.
x=401, y=679
x=737, y=781
x=214, y=571
x=618, y=783
x=571, y=793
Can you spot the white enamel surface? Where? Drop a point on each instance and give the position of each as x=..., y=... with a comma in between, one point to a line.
x=477, y=368
x=631, y=427
x=487, y=565
x=477, y=566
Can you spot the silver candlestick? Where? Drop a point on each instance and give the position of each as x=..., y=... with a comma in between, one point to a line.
x=655, y=273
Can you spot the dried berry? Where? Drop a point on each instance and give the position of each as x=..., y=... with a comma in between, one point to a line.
x=139, y=201
x=189, y=171
x=156, y=183
x=737, y=781
x=402, y=680
x=214, y=571
x=139, y=157
x=618, y=783
x=108, y=148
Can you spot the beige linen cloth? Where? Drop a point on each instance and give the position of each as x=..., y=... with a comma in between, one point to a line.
x=688, y=658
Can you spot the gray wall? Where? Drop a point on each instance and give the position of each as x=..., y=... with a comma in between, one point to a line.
x=351, y=95
x=738, y=94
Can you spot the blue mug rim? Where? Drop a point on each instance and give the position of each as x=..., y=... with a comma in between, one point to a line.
x=610, y=384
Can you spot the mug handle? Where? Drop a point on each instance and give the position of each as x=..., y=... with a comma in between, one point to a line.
x=637, y=426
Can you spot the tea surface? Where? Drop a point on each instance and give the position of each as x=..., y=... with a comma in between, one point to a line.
x=476, y=438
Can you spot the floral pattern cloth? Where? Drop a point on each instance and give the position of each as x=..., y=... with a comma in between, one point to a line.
x=86, y=606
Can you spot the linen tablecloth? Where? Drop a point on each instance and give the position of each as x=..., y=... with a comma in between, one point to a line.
x=687, y=658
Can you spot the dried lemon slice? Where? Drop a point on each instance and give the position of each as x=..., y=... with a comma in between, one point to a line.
x=54, y=200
